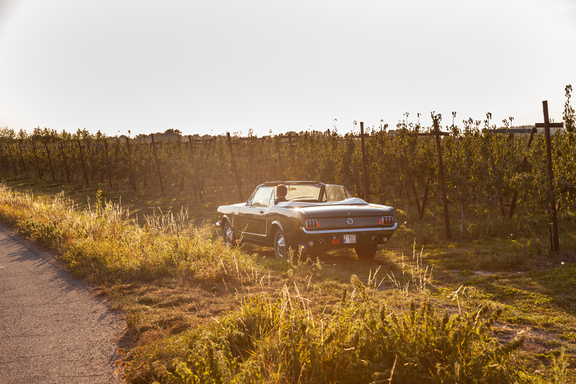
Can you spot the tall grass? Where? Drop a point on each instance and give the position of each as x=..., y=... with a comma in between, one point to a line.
x=419, y=276
x=101, y=243
x=280, y=340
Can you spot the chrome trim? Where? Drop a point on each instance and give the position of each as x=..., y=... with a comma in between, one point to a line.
x=351, y=230
x=252, y=233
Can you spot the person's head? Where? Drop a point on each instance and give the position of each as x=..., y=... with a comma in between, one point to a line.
x=281, y=191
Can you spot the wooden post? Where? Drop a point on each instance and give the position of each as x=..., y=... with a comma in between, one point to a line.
x=364, y=166
x=203, y=173
x=132, y=181
x=107, y=163
x=233, y=163
x=555, y=240
x=65, y=163
x=522, y=168
x=435, y=118
x=22, y=158
x=91, y=153
x=157, y=164
x=36, y=158
x=49, y=161
x=83, y=164
x=190, y=145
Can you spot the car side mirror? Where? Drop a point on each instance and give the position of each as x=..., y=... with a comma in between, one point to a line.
x=248, y=203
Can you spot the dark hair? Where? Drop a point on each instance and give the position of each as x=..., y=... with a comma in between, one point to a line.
x=281, y=191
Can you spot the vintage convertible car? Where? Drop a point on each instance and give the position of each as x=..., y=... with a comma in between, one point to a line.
x=307, y=216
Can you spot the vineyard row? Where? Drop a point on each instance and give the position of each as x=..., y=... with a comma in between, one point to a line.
x=483, y=170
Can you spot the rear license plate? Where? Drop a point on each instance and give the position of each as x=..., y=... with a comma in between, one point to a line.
x=349, y=239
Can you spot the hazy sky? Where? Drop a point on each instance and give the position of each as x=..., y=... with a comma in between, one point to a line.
x=215, y=66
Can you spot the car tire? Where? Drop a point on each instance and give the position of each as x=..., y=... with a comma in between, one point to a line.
x=280, y=244
x=228, y=234
x=366, y=252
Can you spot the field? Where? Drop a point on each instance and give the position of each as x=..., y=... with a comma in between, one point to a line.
x=488, y=302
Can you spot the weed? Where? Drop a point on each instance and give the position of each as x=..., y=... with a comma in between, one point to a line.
x=559, y=367
x=419, y=276
x=280, y=340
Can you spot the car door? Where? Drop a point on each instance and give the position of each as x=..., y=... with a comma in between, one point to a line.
x=253, y=219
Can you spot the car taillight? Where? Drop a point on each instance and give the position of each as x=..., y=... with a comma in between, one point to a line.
x=386, y=220
x=312, y=224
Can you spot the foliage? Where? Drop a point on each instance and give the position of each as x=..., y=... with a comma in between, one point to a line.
x=483, y=169
x=569, y=117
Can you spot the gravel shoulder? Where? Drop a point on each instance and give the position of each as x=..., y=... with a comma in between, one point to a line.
x=53, y=328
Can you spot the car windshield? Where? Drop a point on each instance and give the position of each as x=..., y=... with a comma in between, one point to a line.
x=303, y=192
x=261, y=197
x=336, y=193
x=315, y=193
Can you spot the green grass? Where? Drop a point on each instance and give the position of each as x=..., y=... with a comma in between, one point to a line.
x=486, y=309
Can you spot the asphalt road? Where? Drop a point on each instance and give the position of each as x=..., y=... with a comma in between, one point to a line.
x=53, y=329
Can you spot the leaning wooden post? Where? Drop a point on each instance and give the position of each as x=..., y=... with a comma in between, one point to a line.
x=107, y=163
x=83, y=163
x=233, y=163
x=364, y=166
x=436, y=119
x=37, y=162
x=555, y=240
x=50, y=161
x=65, y=163
x=157, y=164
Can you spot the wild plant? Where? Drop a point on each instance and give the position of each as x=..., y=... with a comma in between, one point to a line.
x=103, y=244
x=281, y=340
x=419, y=276
x=560, y=366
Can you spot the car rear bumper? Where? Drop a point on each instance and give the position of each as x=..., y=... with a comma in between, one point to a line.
x=351, y=230
x=340, y=238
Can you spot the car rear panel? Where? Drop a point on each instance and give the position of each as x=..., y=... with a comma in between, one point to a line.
x=346, y=226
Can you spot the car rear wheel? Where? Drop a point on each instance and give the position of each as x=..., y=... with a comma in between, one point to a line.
x=366, y=252
x=280, y=244
x=228, y=234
